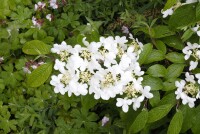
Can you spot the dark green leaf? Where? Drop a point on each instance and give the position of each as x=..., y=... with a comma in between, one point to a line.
x=161, y=46
x=155, y=55
x=159, y=112
x=156, y=98
x=154, y=83
x=179, y=19
x=145, y=53
x=176, y=123
x=174, y=41
x=175, y=57
x=157, y=70
x=161, y=31
x=174, y=71
x=140, y=122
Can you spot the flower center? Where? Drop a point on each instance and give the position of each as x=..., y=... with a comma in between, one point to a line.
x=120, y=52
x=108, y=80
x=66, y=78
x=86, y=55
x=103, y=51
x=64, y=55
x=85, y=76
x=130, y=91
x=191, y=89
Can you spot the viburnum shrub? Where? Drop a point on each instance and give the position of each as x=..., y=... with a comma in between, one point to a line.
x=98, y=67
x=106, y=68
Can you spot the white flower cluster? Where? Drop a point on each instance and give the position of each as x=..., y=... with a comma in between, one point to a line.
x=106, y=68
x=192, y=50
x=188, y=89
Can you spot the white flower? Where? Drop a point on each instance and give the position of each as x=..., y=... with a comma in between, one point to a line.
x=26, y=70
x=124, y=103
x=48, y=17
x=167, y=12
x=104, y=121
x=39, y=5
x=36, y=23
x=184, y=90
x=198, y=77
x=125, y=30
x=190, y=1
x=59, y=86
x=1, y=59
x=59, y=65
x=189, y=78
x=137, y=102
x=53, y=4
x=193, y=65
x=58, y=48
x=196, y=30
x=146, y=92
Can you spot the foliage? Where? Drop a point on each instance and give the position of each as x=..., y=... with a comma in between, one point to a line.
x=28, y=103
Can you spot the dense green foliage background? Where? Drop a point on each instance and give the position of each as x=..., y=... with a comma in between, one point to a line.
x=27, y=108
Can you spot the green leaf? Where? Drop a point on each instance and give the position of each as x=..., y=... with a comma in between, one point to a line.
x=198, y=12
x=145, y=53
x=169, y=84
x=154, y=83
x=159, y=112
x=35, y=47
x=4, y=33
x=189, y=117
x=176, y=123
x=169, y=4
x=196, y=123
x=174, y=41
x=175, y=57
x=168, y=99
x=174, y=71
x=88, y=102
x=139, y=122
x=187, y=34
x=161, y=31
x=179, y=19
x=155, y=55
x=156, y=98
x=157, y=70
x=161, y=46
x=39, y=75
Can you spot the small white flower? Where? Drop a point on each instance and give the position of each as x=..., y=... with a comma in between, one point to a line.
x=59, y=86
x=146, y=92
x=189, y=78
x=124, y=103
x=39, y=5
x=59, y=65
x=104, y=121
x=196, y=30
x=48, y=17
x=167, y=12
x=26, y=70
x=190, y=1
x=198, y=77
x=53, y=4
x=125, y=30
x=137, y=102
x=36, y=22
x=193, y=65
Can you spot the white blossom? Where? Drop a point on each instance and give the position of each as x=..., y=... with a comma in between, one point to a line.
x=124, y=103
x=53, y=4
x=49, y=17
x=167, y=12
